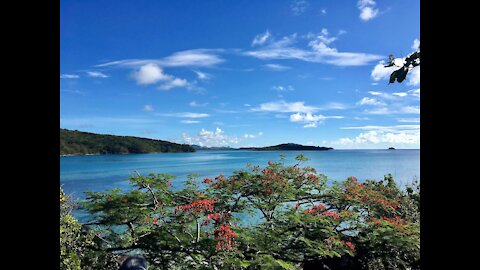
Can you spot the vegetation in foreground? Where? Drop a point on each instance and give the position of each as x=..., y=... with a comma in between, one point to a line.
x=73, y=142
x=303, y=223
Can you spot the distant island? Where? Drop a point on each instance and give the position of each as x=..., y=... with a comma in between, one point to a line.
x=289, y=146
x=74, y=142
x=391, y=148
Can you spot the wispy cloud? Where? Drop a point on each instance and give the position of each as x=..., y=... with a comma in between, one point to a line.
x=367, y=9
x=385, y=128
x=299, y=7
x=280, y=88
x=189, y=121
x=177, y=82
x=371, y=101
x=185, y=115
x=282, y=106
x=202, y=75
x=189, y=58
x=302, y=113
x=148, y=108
x=77, y=92
x=398, y=110
x=69, y=76
x=409, y=120
x=195, y=104
x=276, y=67
x=260, y=39
x=96, y=74
x=319, y=51
x=414, y=76
x=416, y=44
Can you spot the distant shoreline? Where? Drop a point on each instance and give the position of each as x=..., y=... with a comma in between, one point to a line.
x=253, y=150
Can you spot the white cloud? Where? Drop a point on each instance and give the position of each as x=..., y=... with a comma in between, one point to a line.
x=323, y=11
x=150, y=74
x=302, y=113
x=371, y=101
x=280, y=88
x=333, y=106
x=398, y=110
x=260, y=39
x=276, y=67
x=197, y=57
x=78, y=92
x=310, y=120
x=189, y=121
x=319, y=51
x=260, y=133
x=367, y=9
x=409, y=120
x=69, y=76
x=210, y=138
x=385, y=128
x=202, y=75
x=177, y=82
x=148, y=108
x=195, y=104
x=299, y=6
x=415, y=92
x=185, y=115
x=416, y=44
x=404, y=135
x=414, y=76
x=375, y=93
x=361, y=118
x=248, y=136
x=282, y=106
x=97, y=74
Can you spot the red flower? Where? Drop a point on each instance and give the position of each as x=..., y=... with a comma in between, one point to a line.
x=199, y=206
x=225, y=237
x=207, y=180
x=155, y=220
x=351, y=246
x=331, y=214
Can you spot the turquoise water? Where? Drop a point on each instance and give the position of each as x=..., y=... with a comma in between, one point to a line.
x=99, y=173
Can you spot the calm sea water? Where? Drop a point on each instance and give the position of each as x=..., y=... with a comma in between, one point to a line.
x=99, y=173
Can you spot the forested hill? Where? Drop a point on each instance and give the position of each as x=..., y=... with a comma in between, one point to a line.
x=290, y=146
x=83, y=143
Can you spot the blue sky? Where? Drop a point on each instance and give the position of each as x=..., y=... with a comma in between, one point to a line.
x=241, y=73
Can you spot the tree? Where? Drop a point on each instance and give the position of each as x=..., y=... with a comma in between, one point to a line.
x=276, y=217
x=409, y=63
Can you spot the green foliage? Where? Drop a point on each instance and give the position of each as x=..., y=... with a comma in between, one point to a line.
x=410, y=62
x=78, y=249
x=81, y=143
x=276, y=217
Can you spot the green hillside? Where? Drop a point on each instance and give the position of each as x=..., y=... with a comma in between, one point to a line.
x=290, y=146
x=83, y=143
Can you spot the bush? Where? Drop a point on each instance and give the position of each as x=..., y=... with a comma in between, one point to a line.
x=277, y=217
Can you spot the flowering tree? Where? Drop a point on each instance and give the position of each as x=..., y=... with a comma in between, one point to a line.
x=276, y=217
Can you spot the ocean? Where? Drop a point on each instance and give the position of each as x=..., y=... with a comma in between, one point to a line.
x=103, y=172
